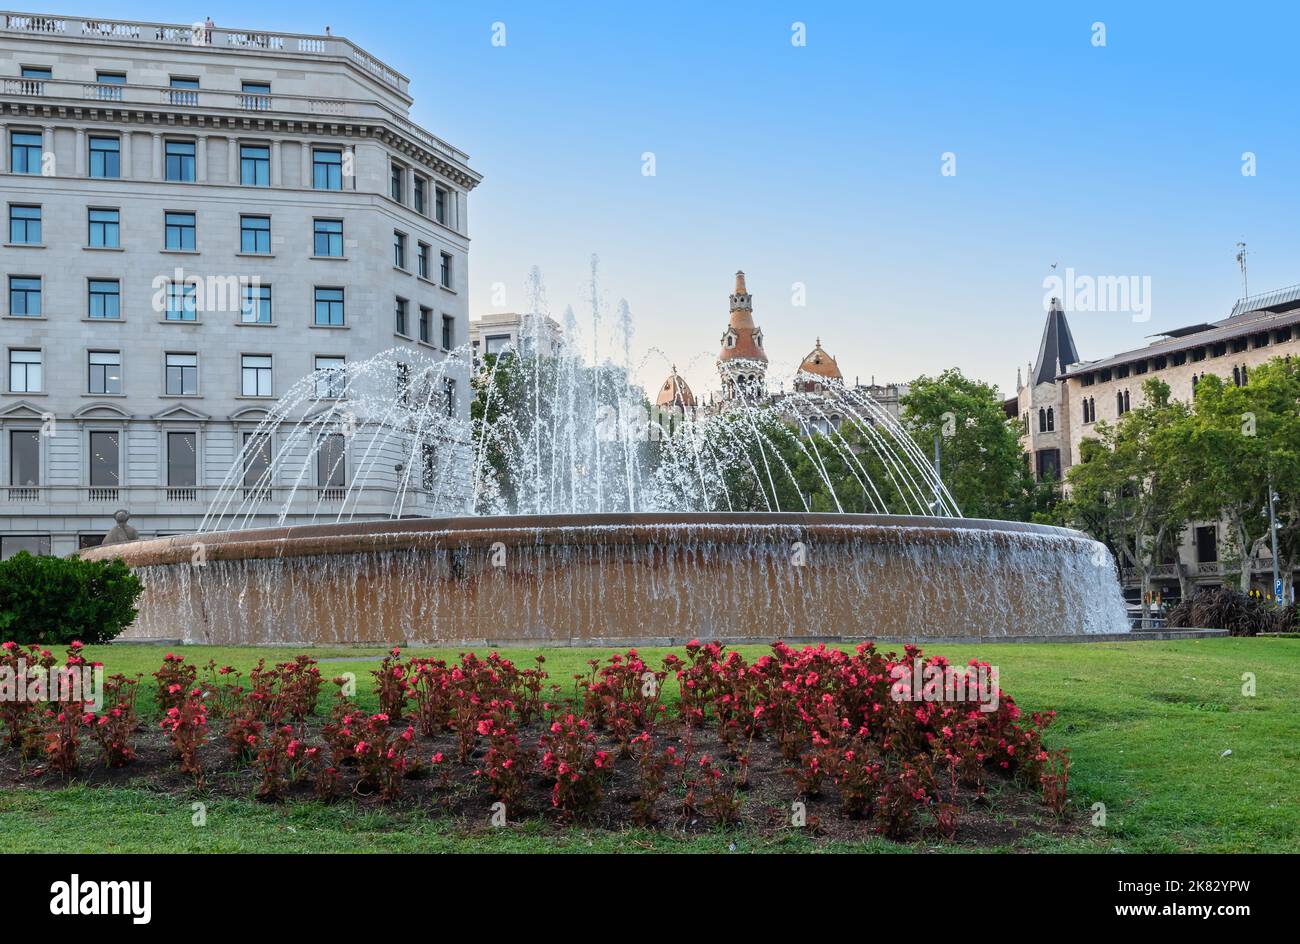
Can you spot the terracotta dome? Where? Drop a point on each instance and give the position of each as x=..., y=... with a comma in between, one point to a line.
x=821, y=364
x=675, y=392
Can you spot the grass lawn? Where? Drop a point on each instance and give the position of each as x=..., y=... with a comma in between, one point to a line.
x=1150, y=726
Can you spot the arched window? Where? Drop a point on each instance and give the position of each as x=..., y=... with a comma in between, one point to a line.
x=1126, y=403
x=1051, y=420
x=1042, y=420
x=1119, y=403
x=1236, y=376
x=1195, y=381
x=1244, y=378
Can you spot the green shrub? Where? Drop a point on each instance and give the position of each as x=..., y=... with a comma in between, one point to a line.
x=1239, y=613
x=54, y=600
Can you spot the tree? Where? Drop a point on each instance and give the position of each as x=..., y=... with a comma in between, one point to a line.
x=1125, y=489
x=982, y=464
x=1237, y=443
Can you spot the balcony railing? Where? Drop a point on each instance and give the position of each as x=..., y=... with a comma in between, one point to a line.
x=24, y=493
x=1200, y=569
x=173, y=34
x=27, y=87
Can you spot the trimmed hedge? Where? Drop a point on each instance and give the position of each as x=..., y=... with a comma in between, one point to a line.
x=54, y=600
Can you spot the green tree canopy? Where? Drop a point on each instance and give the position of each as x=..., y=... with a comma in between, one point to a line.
x=982, y=464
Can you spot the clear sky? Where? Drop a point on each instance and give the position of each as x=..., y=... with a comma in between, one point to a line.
x=821, y=164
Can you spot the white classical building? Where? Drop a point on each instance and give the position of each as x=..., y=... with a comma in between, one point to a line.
x=498, y=332
x=195, y=219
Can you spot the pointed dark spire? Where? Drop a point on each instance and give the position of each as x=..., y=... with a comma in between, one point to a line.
x=1057, y=350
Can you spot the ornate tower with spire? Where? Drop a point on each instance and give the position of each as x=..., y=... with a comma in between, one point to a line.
x=742, y=363
x=1041, y=399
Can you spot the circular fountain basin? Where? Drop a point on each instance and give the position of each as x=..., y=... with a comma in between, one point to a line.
x=613, y=579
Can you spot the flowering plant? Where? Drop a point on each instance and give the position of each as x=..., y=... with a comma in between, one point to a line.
x=175, y=678
x=579, y=768
x=186, y=725
x=114, y=726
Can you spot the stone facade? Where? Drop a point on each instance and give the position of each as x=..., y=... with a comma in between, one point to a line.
x=276, y=179
x=1063, y=400
x=507, y=330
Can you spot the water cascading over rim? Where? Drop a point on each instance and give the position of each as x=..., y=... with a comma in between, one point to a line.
x=625, y=579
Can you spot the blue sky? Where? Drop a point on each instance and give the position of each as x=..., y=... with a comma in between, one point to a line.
x=821, y=164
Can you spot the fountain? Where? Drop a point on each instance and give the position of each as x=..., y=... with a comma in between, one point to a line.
x=567, y=510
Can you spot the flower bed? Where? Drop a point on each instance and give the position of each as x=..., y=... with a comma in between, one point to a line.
x=837, y=743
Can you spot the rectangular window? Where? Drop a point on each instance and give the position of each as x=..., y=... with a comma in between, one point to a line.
x=105, y=460
x=331, y=462
x=182, y=375
x=108, y=86
x=399, y=250
x=38, y=545
x=440, y=199
x=255, y=96
x=444, y=271
x=25, y=457
x=329, y=306
x=450, y=386
x=105, y=372
x=496, y=344
x=184, y=90
x=448, y=332
x=255, y=165
x=426, y=325
x=422, y=260
x=255, y=306
x=105, y=299
x=182, y=460
x=326, y=169
x=331, y=380
x=399, y=319
x=105, y=157
x=105, y=229
x=181, y=231
x=257, y=460
x=255, y=375
x=24, y=296
x=180, y=161
x=420, y=187
x=255, y=235
x=37, y=72
x=181, y=302
x=428, y=474
x=25, y=149
x=25, y=371
x=327, y=238
x=24, y=225
x=395, y=175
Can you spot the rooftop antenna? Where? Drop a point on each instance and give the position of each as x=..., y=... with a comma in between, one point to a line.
x=1241, y=261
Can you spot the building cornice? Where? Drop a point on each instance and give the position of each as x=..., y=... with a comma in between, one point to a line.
x=167, y=119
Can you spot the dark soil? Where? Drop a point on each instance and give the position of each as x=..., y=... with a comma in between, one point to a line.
x=1006, y=815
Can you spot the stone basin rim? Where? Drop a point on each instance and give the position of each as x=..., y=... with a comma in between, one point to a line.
x=553, y=530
